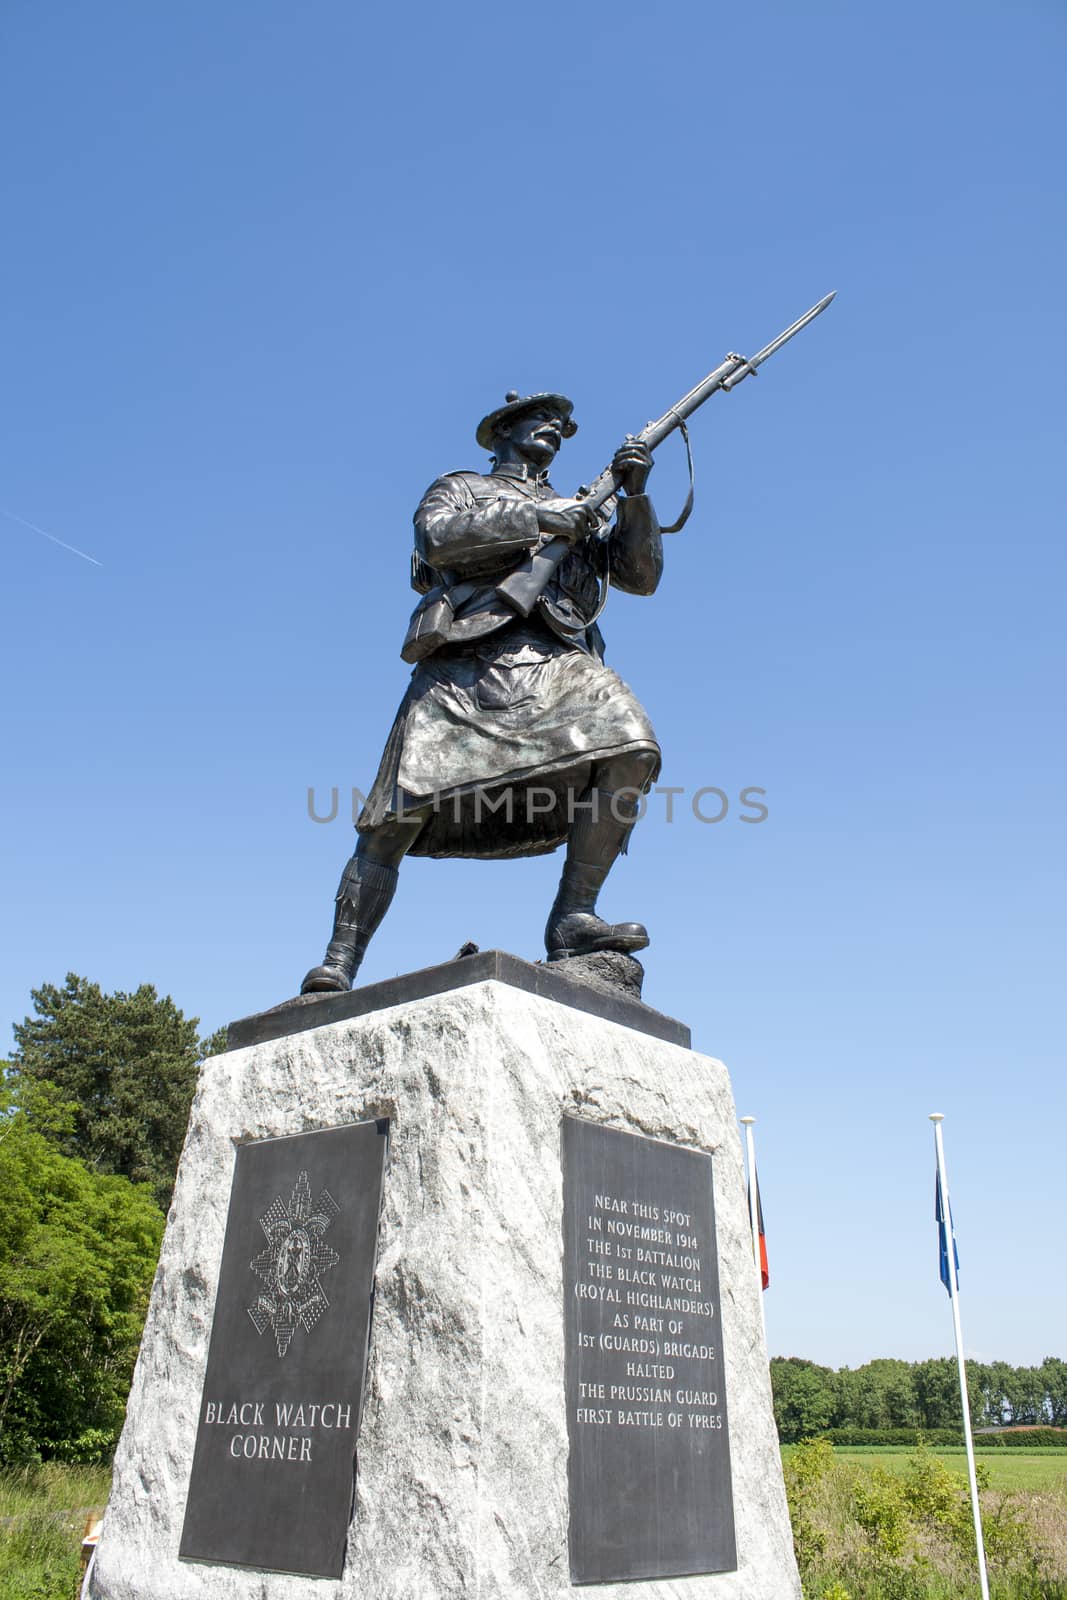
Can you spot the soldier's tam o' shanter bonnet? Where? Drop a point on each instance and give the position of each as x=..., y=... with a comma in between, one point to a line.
x=515, y=404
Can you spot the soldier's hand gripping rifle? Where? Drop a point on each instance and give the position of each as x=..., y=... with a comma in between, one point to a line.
x=522, y=587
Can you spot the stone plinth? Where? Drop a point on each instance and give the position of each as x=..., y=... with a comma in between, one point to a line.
x=461, y=1484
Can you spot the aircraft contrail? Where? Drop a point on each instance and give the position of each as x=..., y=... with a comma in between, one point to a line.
x=46, y=535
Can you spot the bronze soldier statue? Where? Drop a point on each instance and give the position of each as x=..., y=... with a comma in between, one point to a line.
x=513, y=736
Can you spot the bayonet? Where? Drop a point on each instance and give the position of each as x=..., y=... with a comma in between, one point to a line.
x=523, y=587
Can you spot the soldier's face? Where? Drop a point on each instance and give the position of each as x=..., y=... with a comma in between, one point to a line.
x=535, y=435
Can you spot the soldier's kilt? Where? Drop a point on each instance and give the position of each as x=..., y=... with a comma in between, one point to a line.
x=500, y=738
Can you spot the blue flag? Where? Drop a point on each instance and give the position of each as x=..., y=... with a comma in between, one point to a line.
x=942, y=1236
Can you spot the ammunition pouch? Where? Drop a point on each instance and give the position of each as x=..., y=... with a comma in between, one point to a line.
x=431, y=621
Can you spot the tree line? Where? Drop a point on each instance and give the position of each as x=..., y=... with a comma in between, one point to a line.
x=93, y=1110
x=810, y=1399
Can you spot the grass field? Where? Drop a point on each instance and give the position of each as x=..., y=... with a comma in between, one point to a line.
x=1007, y=1469
x=42, y=1516
x=870, y=1524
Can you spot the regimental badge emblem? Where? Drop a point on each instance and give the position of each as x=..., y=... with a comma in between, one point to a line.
x=292, y=1263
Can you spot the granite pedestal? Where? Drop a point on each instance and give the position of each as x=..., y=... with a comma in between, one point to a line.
x=461, y=1482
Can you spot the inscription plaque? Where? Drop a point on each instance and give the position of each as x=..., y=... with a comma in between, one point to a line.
x=272, y=1478
x=649, y=1477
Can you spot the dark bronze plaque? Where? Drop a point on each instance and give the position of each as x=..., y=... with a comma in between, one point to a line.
x=272, y=1477
x=650, y=1489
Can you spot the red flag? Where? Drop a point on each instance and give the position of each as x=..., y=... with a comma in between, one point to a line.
x=764, y=1270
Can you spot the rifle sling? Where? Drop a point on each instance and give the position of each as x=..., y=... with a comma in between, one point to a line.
x=683, y=518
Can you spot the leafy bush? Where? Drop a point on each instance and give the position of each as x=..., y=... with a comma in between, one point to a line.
x=804, y=1472
x=864, y=1533
x=908, y=1437
x=1022, y=1439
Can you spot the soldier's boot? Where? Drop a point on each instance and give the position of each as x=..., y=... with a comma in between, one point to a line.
x=597, y=837
x=363, y=898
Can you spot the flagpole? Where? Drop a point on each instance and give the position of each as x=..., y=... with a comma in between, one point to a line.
x=937, y=1118
x=753, y=1218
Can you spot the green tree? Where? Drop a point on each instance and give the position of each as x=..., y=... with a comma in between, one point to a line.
x=937, y=1392
x=878, y=1395
x=898, y=1388
x=77, y=1254
x=1028, y=1396
x=128, y=1063
x=1054, y=1378
x=852, y=1401
x=803, y=1397
x=998, y=1380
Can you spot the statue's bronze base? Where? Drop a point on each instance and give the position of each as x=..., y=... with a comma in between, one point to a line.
x=610, y=971
x=607, y=984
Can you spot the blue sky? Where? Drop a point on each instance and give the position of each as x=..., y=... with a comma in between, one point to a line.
x=266, y=266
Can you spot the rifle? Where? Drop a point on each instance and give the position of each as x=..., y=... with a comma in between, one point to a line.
x=522, y=588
